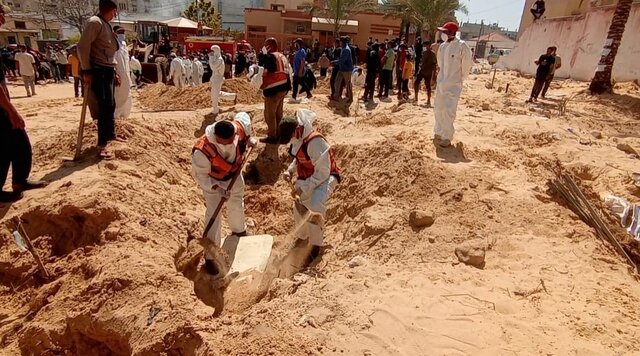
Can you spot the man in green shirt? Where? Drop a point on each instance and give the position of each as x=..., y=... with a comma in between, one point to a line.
x=387, y=72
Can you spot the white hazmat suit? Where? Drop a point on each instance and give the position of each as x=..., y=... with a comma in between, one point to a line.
x=255, y=76
x=176, y=72
x=123, y=91
x=198, y=72
x=200, y=169
x=188, y=70
x=136, y=67
x=455, y=61
x=216, y=63
x=317, y=188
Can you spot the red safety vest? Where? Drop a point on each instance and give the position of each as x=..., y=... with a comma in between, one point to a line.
x=221, y=169
x=280, y=76
x=304, y=165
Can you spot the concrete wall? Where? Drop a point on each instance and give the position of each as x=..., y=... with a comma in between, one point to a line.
x=579, y=40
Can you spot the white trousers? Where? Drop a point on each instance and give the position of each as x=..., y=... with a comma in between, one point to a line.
x=123, y=99
x=316, y=202
x=178, y=81
x=445, y=107
x=235, y=211
x=217, y=94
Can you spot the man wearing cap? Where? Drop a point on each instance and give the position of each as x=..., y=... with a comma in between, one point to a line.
x=15, y=148
x=276, y=82
x=97, y=50
x=217, y=157
x=455, y=62
x=123, y=70
x=317, y=175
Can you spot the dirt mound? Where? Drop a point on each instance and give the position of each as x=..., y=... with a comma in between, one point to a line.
x=166, y=97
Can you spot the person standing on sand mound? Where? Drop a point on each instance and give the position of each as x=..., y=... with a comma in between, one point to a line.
x=97, y=53
x=15, y=148
x=317, y=175
x=455, y=62
x=275, y=85
x=217, y=157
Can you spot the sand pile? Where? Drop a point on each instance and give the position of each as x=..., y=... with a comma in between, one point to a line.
x=167, y=97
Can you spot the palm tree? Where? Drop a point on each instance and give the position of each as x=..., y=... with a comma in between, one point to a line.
x=398, y=9
x=337, y=12
x=425, y=14
x=601, y=82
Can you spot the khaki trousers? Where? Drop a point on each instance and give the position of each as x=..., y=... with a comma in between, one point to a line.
x=273, y=112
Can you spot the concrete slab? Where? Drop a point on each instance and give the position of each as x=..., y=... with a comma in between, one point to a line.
x=248, y=252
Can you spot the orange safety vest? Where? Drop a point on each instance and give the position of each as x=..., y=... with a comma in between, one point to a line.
x=221, y=169
x=280, y=76
x=304, y=165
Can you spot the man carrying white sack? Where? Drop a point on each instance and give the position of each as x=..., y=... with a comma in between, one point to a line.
x=123, y=70
x=176, y=71
x=216, y=158
x=216, y=63
x=316, y=171
x=454, y=61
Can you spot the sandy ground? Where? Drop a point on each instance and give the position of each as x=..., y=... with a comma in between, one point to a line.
x=112, y=233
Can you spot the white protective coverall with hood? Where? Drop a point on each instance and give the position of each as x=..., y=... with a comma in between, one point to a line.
x=200, y=168
x=216, y=63
x=317, y=188
x=455, y=62
x=255, y=76
x=188, y=70
x=198, y=72
x=136, y=66
x=176, y=71
x=123, y=91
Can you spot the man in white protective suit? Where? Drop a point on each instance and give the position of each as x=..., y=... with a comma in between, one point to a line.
x=454, y=61
x=255, y=76
x=136, y=71
x=176, y=71
x=188, y=70
x=123, y=91
x=198, y=71
x=217, y=157
x=216, y=63
x=317, y=174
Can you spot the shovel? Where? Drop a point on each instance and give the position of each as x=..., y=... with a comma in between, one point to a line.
x=83, y=116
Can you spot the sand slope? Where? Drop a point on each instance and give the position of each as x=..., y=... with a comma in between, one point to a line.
x=111, y=232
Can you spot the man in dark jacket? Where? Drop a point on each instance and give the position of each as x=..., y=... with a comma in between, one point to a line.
x=373, y=70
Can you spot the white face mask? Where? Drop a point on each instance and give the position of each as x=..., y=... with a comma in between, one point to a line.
x=264, y=50
x=121, y=37
x=444, y=37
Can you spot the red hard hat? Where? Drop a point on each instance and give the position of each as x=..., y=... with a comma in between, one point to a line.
x=449, y=26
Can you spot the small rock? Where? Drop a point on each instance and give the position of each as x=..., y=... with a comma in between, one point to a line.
x=307, y=320
x=473, y=185
x=431, y=239
x=486, y=106
x=626, y=148
x=419, y=219
x=356, y=261
x=596, y=134
x=500, y=89
x=472, y=253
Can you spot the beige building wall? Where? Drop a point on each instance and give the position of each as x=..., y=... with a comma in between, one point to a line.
x=580, y=40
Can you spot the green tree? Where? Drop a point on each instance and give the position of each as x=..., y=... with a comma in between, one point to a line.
x=337, y=12
x=601, y=82
x=205, y=13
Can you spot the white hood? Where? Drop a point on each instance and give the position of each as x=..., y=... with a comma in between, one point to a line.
x=245, y=120
x=305, y=118
x=215, y=52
